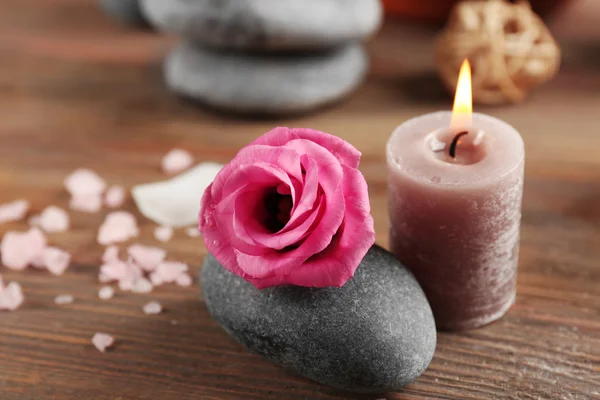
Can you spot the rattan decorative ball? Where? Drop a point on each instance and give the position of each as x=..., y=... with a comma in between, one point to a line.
x=510, y=49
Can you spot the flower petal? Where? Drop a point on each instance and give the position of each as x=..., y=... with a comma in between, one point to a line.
x=337, y=264
x=342, y=150
x=330, y=174
x=308, y=199
x=239, y=209
x=291, y=234
x=281, y=263
x=214, y=240
x=284, y=159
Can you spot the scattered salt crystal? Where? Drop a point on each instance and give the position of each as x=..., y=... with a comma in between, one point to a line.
x=146, y=257
x=115, y=196
x=152, y=308
x=132, y=274
x=163, y=233
x=38, y=262
x=141, y=285
x=104, y=278
x=54, y=219
x=156, y=279
x=102, y=341
x=168, y=271
x=119, y=226
x=176, y=161
x=19, y=249
x=106, y=292
x=34, y=220
x=88, y=203
x=192, y=231
x=84, y=182
x=174, y=322
x=111, y=253
x=13, y=251
x=11, y=297
x=56, y=260
x=64, y=299
x=113, y=270
x=184, y=280
x=125, y=285
x=13, y=211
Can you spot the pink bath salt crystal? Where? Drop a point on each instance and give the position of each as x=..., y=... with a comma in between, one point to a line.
x=102, y=341
x=114, y=270
x=106, y=292
x=38, y=262
x=141, y=285
x=56, y=260
x=62, y=299
x=104, y=278
x=88, y=203
x=152, y=308
x=34, y=220
x=114, y=196
x=168, y=271
x=132, y=274
x=163, y=233
x=184, y=280
x=176, y=161
x=54, y=219
x=19, y=249
x=12, y=251
x=111, y=253
x=146, y=257
x=11, y=297
x=192, y=231
x=156, y=279
x=119, y=226
x=125, y=285
x=84, y=182
x=13, y=211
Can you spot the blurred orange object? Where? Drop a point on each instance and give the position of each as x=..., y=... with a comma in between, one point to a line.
x=439, y=10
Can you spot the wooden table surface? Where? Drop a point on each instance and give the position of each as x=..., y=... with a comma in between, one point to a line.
x=78, y=90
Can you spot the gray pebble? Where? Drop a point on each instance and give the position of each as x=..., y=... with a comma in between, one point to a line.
x=127, y=11
x=375, y=334
x=266, y=24
x=265, y=84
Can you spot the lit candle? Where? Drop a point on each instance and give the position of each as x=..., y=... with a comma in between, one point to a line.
x=455, y=189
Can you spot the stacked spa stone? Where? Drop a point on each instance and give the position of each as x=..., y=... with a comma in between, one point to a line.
x=266, y=56
x=126, y=11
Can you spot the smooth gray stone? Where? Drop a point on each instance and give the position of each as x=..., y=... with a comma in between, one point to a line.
x=265, y=84
x=375, y=334
x=266, y=24
x=127, y=11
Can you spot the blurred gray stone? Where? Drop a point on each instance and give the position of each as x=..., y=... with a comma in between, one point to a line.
x=127, y=11
x=265, y=84
x=266, y=24
x=375, y=334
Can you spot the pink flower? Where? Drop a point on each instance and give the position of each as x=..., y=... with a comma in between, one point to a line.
x=290, y=208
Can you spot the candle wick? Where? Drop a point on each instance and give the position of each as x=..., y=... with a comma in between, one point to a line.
x=455, y=143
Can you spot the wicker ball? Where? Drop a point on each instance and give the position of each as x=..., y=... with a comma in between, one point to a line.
x=509, y=48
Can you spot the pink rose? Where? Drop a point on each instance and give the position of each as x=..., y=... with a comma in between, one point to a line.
x=290, y=208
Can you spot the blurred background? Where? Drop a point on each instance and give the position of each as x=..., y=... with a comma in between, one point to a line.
x=113, y=85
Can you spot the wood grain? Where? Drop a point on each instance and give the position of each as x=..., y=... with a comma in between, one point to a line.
x=78, y=90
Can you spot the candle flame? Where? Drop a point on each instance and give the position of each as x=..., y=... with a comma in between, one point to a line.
x=462, y=112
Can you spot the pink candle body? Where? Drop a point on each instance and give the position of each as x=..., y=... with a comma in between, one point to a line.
x=454, y=221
